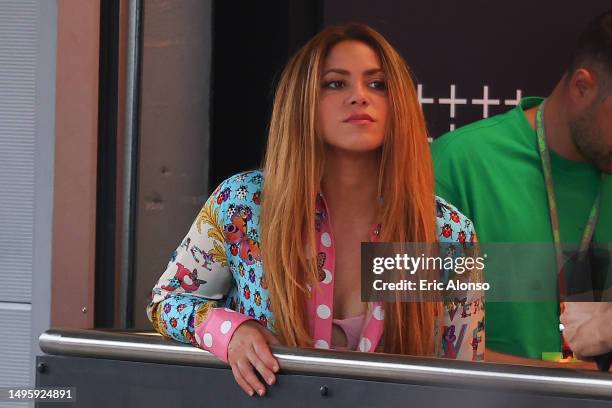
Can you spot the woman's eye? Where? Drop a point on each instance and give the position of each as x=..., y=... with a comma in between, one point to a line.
x=381, y=85
x=334, y=84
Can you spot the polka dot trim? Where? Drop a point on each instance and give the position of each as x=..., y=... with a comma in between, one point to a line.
x=215, y=331
x=365, y=344
x=328, y=277
x=326, y=240
x=321, y=344
x=323, y=311
x=225, y=327
x=320, y=303
x=378, y=313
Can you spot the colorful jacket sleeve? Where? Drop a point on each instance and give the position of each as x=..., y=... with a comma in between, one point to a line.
x=463, y=323
x=189, y=301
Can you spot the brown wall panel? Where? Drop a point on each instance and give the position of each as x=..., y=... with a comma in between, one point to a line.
x=76, y=130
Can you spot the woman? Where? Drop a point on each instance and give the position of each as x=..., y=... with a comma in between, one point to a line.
x=347, y=142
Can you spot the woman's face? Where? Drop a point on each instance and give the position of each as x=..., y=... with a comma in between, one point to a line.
x=353, y=102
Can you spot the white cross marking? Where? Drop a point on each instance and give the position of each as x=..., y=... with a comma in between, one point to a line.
x=514, y=102
x=452, y=101
x=485, y=101
x=420, y=95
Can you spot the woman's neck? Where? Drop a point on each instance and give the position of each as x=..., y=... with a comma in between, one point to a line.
x=350, y=184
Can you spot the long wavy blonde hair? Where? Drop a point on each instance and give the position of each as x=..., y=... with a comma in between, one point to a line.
x=293, y=167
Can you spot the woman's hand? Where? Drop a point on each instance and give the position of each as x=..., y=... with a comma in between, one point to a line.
x=248, y=348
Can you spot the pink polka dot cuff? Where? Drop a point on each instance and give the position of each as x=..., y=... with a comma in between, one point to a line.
x=216, y=331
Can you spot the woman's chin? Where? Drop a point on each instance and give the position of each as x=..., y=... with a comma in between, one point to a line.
x=355, y=148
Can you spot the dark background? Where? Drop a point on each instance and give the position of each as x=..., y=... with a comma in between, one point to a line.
x=505, y=45
x=252, y=42
x=508, y=46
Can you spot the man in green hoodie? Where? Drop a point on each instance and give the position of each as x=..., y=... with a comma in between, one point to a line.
x=538, y=172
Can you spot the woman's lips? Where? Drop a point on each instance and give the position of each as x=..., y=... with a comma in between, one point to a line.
x=359, y=119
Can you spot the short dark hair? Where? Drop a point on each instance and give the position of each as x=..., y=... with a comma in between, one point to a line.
x=594, y=44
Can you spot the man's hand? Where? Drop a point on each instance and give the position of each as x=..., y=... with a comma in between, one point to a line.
x=588, y=327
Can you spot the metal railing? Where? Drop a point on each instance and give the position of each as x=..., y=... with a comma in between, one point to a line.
x=151, y=347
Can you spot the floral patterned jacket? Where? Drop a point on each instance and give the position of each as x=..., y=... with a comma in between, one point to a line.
x=215, y=281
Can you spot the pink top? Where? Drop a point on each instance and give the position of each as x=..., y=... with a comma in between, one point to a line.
x=352, y=329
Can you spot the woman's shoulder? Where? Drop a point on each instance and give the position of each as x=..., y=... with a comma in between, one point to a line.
x=239, y=194
x=247, y=179
x=452, y=225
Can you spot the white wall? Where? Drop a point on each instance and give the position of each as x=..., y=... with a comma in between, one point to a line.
x=27, y=108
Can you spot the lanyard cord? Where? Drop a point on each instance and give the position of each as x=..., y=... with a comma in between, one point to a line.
x=589, y=228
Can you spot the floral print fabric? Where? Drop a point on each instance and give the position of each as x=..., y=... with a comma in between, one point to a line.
x=215, y=281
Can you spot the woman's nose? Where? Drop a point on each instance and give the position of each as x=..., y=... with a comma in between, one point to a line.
x=358, y=97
